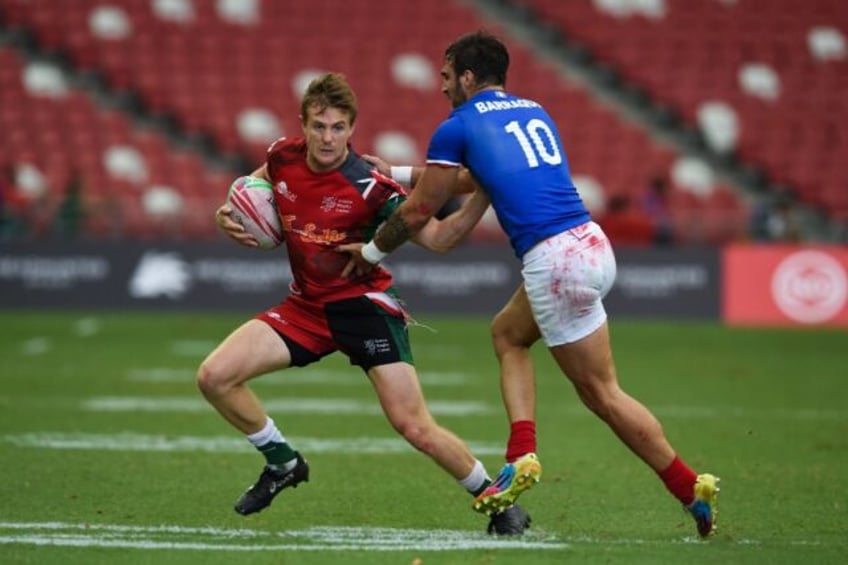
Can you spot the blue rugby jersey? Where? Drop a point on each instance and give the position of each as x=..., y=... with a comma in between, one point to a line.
x=512, y=147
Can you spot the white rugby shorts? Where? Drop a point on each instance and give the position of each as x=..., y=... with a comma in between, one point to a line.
x=566, y=276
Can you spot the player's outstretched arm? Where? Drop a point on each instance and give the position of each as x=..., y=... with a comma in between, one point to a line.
x=443, y=235
x=431, y=192
x=408, y=175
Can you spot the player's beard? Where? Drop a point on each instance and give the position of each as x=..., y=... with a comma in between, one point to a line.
x=457, y=96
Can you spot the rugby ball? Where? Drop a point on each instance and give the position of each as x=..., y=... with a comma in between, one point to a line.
x=254, y=207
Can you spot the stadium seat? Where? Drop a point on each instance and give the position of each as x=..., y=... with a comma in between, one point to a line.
x=207, y=69
x=60, y=135
x=781, y=66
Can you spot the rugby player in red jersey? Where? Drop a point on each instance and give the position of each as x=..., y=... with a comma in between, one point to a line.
x=328, y=195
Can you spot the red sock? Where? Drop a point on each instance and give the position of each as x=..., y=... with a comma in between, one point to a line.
x=679, y=480
x=522, y=439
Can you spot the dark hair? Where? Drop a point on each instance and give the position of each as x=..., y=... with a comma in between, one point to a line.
x=329, y=90
x=481, y=53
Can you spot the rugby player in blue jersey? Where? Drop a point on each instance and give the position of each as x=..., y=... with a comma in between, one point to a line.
x=513, y=149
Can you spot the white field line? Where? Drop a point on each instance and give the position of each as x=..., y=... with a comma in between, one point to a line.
x=193, y=348
x=353, y=377
x=325, y=538
x=36, y=346
x=162, y=375
x=747, y=413
x=289, y=405
x=87, y=327
x=322, y=538
x=229, y=444
x=451, y=408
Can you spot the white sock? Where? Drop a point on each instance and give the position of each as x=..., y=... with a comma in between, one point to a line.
x=267, y=434
x=476, y=478
x=270, y=434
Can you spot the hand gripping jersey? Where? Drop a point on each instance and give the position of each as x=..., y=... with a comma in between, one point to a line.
x=512, y=147
x=319, y=211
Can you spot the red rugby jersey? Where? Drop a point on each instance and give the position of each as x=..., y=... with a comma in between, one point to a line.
x=320, y=211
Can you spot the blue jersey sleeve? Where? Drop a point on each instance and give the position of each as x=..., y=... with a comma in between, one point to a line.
x=447, y=146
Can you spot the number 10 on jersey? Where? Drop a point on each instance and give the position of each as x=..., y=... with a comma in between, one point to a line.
x=532, y=131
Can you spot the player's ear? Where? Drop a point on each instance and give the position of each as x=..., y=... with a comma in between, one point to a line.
x=467, y=80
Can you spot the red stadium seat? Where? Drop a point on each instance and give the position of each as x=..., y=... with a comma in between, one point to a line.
x=207, y=71
x=694, y=51
x=65, y=135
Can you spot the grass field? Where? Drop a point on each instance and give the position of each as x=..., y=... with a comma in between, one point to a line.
x=109, y=455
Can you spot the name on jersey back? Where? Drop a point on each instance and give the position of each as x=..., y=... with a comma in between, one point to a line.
x=489, y=105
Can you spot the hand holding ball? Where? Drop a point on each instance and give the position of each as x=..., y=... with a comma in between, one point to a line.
x=254, y=207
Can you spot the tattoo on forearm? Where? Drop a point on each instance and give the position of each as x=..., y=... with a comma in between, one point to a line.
x=393, y=234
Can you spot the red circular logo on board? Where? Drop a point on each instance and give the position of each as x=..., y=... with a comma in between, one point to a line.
x=810, y=287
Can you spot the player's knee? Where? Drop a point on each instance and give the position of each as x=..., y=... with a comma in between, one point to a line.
x=418, y=434
x=211, y=380
x=499, y=334
x=505, y=336
x=597, y=397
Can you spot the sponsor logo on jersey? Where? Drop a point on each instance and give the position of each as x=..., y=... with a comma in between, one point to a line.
x=283, y=190
x=336, y=204
x=310, y=233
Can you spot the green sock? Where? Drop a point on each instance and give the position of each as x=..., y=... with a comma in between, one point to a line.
x=480, y=490
x=278, y=455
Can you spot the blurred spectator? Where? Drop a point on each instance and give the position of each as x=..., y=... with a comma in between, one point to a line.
x=70, y=212
x=37, y=202
x=626, y=224
x=776, y=220
x=13, y=206
x=656, y=206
